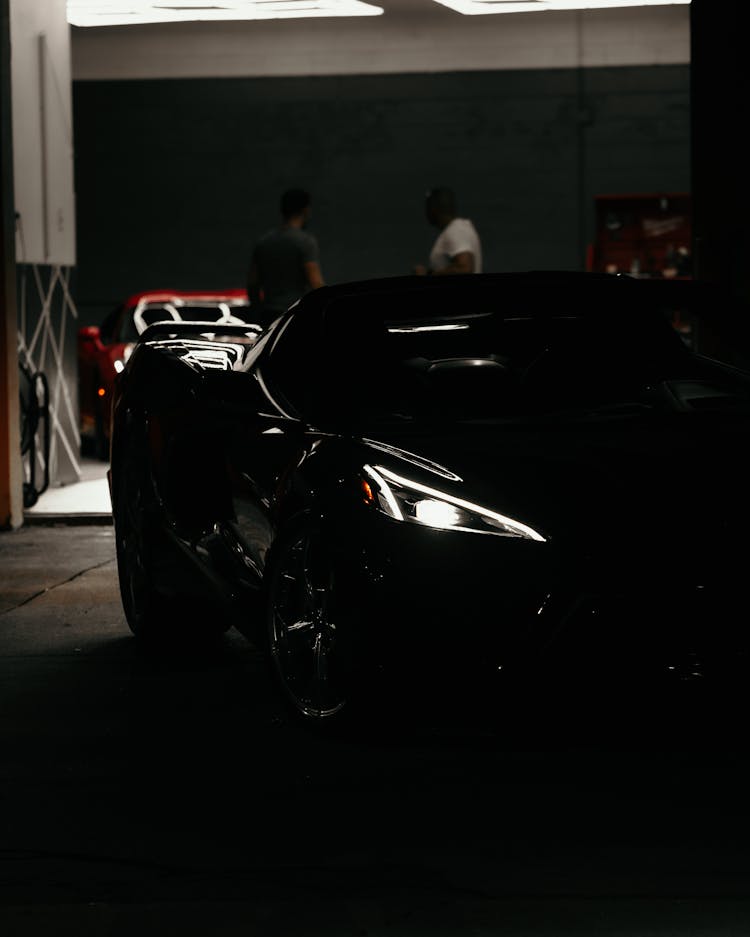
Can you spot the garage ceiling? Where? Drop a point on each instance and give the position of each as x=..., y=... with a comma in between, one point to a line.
x=134, y=12
x=474, y=7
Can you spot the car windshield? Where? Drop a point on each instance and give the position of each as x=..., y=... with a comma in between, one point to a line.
x=457, y=355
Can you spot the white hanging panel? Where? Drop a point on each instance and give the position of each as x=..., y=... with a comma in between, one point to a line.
x=42, y=132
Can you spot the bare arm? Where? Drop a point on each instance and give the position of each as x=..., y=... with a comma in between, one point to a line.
x=313, y=275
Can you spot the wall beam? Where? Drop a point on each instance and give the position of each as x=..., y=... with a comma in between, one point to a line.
x=721, y=196
x=11, y=477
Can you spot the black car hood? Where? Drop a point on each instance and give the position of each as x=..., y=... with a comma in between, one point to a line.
x=636, y=479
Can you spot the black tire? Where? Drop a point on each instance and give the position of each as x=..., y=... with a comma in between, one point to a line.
x=312, y=634
x=156, y=618
x=133, y=517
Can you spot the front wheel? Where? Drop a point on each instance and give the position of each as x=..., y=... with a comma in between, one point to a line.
x=311, y=629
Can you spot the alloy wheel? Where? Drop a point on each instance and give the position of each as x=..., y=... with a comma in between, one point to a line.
x=304, y=636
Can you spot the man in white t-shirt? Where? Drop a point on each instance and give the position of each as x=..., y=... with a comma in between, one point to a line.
x=457, y=248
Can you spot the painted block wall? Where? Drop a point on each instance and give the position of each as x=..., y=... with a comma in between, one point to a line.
x=176, y=178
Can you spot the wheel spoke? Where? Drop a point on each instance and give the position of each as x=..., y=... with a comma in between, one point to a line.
x=300, y=626
x=320, y=656
x=294, y=596
x=308, y=587
x=321, y=601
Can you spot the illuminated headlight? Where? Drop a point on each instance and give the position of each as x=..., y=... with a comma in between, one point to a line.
x=120, y=363
x=406, y=500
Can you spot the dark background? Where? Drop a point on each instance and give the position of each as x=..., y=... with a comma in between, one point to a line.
x=176, y=178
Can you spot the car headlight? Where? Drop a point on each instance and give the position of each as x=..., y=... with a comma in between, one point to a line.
x=120, y=363
x=404, y=499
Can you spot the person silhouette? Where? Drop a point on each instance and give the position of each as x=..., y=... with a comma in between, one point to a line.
x=285, y=262
x=457, y=249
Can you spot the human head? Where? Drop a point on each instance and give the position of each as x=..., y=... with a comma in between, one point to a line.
x=295, y=202
x=440, y=206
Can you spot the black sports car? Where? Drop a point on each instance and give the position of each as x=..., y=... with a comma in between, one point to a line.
x=518, y=481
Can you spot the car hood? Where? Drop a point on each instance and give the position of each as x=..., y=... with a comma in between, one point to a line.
x=649, y=479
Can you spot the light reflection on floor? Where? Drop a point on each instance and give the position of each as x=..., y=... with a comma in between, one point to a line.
x=90, y=495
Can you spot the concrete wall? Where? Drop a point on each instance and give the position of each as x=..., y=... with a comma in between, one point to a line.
x=176, y=178
x=411, y=36
x=186, y=134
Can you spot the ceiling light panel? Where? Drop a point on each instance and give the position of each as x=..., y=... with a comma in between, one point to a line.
x=483, y=7
x=132, y=12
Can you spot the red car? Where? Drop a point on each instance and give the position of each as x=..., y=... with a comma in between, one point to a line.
x=103, y=350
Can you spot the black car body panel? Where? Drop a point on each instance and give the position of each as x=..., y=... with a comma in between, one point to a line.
x=580, y=507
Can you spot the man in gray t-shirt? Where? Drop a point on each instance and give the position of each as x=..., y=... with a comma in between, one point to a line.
x=285, y=263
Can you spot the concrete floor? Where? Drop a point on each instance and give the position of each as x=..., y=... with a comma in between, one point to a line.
x=88, y=496
x=167, y=794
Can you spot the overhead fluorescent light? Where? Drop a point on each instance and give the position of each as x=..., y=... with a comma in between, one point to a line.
x=483, y=7
x=133, y=12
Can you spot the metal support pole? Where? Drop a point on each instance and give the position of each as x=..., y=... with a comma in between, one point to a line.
x=11, y=472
